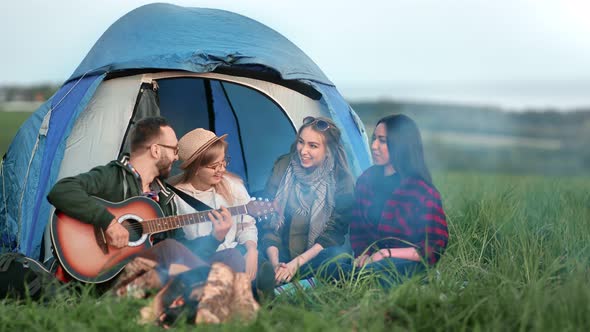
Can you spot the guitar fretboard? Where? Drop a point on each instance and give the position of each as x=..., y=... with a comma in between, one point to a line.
x=173, y=222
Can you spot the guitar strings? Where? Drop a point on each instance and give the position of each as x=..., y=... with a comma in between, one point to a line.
x=137, y=226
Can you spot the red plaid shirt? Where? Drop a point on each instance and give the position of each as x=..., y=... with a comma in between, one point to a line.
x=412, y=216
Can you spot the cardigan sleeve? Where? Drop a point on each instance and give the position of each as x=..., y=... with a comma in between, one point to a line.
x=246, y=224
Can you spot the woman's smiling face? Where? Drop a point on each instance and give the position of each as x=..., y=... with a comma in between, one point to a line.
x=212, y=174
x=311, y=148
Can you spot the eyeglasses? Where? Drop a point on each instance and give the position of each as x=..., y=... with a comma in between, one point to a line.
x=174, y=148
x=216, y=166
x=318, y=124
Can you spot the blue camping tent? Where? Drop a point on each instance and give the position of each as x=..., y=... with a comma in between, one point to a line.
x=198, y=67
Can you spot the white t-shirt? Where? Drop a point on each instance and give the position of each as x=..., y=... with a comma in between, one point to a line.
x=244, y=227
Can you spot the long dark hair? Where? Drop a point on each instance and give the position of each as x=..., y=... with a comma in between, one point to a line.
x=404, y=145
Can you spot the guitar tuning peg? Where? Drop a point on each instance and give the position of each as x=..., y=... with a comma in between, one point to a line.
x=266, y=199
x=265, y=217
x=252, y=198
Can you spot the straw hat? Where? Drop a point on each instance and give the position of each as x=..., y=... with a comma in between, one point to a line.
x=194, y=143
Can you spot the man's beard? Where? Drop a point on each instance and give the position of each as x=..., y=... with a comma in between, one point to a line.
x=163, y=166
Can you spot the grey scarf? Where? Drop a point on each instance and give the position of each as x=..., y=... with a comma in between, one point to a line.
x=317, y=188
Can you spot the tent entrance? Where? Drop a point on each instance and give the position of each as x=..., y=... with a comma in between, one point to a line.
x=258, y=128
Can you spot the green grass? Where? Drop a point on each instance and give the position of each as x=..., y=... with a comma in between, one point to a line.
x=518, y=260
x=9, y=124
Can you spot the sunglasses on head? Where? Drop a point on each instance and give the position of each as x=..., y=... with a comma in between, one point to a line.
x=318, y=124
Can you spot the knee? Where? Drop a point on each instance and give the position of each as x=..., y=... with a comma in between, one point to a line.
x=231, y=257
x=168, y=247
x=336, y=256
x=168, y=244
x=233, y=253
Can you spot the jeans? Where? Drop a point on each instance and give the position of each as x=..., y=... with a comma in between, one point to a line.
x=388, y=271
x=170, y=251
x=331, y=255
x=337, y=255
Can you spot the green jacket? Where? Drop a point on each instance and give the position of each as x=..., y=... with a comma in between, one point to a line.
x=113, y=182
x=336, y=227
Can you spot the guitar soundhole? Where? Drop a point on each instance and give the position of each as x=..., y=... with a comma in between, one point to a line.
x=134, y=228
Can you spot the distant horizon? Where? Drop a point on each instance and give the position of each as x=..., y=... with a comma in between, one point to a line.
x=508, y=95
x=515, y=96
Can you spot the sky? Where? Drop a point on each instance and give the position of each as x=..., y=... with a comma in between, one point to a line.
x=514, y=54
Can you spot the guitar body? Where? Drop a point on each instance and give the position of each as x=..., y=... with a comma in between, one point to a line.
x=77, y=248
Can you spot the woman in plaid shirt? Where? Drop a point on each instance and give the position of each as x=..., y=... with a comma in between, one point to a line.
x=398, y=222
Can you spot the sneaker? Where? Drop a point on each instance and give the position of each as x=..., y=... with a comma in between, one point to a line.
x=292, y=287
x=265, y=282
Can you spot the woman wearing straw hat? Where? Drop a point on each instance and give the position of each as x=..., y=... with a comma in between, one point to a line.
x=313, y=191
x=205, y=178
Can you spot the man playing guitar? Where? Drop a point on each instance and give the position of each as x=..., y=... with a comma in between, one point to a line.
x=154, y=148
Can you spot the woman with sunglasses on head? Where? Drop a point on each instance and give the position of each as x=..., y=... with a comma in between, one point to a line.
x=398, y=220
x=205, y=178
x=313, y=191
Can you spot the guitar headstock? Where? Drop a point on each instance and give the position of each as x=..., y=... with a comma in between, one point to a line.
x=261, y=208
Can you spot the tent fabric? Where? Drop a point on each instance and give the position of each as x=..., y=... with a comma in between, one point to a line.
x=226, y=122
x=353, y=131
x=15, y=176
x=286, y=98
x=146, y=106
x=84, y=124
x=98, y=132
x=67, y=104
x=165, y=36
x=268, y=130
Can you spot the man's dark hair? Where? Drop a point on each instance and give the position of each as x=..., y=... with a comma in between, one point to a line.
x=146, y=130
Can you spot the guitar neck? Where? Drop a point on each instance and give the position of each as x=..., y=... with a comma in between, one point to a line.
x=174, y=222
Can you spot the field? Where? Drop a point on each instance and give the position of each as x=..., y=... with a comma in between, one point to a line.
x=518, y=260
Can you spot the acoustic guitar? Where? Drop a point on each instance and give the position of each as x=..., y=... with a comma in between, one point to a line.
x=83, y=251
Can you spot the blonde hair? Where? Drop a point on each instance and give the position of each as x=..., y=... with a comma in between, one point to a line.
x=206, y=158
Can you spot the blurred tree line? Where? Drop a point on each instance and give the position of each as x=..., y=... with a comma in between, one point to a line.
x=37, y=92
x=532, y=141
